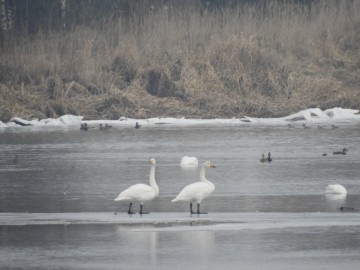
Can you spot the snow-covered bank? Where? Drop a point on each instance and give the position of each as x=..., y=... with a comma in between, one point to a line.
x=309, y=117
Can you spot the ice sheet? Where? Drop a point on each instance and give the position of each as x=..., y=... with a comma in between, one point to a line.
x=312, y=116
x=183, y=221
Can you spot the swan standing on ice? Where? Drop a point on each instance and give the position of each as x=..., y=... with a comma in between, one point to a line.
x=141, y=192
x=198, y=191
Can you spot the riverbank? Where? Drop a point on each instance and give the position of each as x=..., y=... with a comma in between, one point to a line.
x=184, y=62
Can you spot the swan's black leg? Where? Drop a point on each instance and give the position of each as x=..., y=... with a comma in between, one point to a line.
x=191, y=210
x=198, y=210
x=129, y=211
x=141, y=210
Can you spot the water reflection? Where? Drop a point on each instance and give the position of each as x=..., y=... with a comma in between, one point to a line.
x=146, y=242
x=201, y=241
x=335, y=201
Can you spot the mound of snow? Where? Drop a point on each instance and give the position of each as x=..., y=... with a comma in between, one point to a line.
x=63, y=120
x=335, y=189
x=313, y=116
x=189, y=161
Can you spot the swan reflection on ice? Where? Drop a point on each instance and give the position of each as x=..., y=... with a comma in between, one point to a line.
x=198, y=191
x=141, y=192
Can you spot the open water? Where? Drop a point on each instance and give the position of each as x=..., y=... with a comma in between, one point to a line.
x=53, y=170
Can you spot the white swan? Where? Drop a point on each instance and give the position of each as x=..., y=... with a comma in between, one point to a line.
x=196, y=192
x=335, y=189
x=141, y=192
x=189, y=161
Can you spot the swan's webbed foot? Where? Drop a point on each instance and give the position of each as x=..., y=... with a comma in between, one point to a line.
x=198, y=212
x=141, y=211
x=129, y=211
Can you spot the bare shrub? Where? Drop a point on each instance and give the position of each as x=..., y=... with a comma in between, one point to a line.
x=158, y=84
x=123, y=68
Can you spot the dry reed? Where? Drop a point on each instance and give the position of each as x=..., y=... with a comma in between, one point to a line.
x=180, y=60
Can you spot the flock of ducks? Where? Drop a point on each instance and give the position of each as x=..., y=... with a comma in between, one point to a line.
x=305, y=126
x=193, y=193
x=86, y=127
x=264, y=159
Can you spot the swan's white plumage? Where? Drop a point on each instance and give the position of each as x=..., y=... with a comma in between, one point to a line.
x=335, y=189
x=194, y=192
x=138, y=192
x=141, y=192
x=198, y=191
x=189, y=161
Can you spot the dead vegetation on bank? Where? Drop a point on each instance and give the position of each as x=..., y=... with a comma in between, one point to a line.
x=181, y=61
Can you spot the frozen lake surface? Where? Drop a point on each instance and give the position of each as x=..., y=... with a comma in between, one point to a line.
x=57, y=187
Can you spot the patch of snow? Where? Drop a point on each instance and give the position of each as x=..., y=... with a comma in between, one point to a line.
x=311, y=116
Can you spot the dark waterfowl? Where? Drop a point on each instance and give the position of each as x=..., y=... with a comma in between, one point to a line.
x=343, y=152
x=346, y=208
x=263, y=159
x=305, y=126
x=137, y=125
x=269, y=159
x=324, y=154
x=106, y=127
x=320, y=127
x=333, y=126
x=84, y=126
x=16, y=159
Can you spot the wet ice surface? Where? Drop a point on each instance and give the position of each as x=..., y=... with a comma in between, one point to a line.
x=261, y=216
x=174, y=240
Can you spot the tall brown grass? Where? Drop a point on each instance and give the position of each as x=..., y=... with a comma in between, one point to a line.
x=181, y=60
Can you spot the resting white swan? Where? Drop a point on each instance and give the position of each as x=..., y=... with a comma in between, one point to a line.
x=189, y=161
x=335, y=189
x=196, y=192
x=141, y=192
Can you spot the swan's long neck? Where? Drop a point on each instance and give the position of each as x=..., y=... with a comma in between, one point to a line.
x=203, y=178
x=152, y=179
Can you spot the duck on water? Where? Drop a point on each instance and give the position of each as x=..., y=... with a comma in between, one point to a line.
x=343, y=152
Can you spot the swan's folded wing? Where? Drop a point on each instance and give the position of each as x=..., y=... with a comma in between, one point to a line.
x=139, y=192
x=194, y=191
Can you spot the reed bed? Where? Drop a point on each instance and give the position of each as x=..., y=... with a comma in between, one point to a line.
x=183, y=60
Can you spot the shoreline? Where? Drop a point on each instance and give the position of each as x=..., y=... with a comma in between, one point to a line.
x=310, y=117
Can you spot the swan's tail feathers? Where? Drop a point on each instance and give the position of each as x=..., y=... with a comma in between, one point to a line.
x=177, y=199
x=120, y=199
